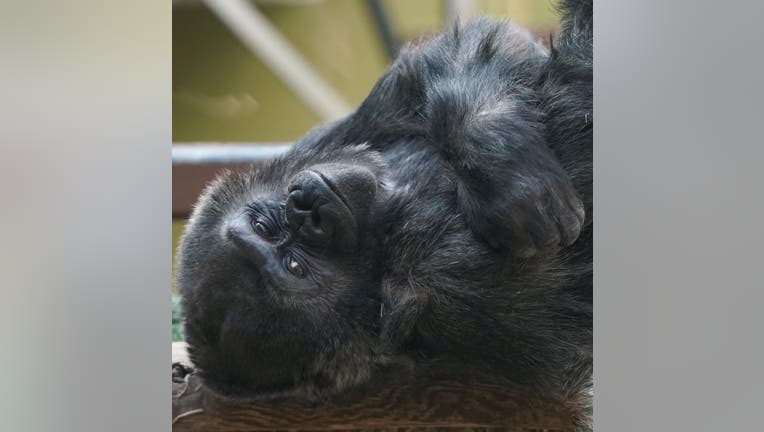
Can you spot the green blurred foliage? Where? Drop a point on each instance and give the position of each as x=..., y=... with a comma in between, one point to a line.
x=177, y=328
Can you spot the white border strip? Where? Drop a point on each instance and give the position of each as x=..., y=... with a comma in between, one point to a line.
x=226, y=152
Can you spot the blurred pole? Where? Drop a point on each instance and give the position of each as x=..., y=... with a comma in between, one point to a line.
x=212, y=153
x=260, y=36
x=384, y=27
x=461, y=10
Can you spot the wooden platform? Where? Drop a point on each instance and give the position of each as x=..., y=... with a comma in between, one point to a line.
x=425, y=400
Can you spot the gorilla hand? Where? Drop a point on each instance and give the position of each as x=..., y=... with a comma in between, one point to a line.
x=530, y=214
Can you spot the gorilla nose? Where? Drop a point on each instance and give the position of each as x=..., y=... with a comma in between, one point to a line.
x=355, y=186
x=329, y=202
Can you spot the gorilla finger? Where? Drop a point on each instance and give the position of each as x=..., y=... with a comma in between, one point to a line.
x=571, y=221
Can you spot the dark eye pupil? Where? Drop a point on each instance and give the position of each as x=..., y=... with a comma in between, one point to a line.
x=295, y=268
x=260, y=228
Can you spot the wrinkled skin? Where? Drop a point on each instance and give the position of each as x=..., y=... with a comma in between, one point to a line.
x=449, y=216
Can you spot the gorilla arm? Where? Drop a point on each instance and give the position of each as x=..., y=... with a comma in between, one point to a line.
x=469, y=93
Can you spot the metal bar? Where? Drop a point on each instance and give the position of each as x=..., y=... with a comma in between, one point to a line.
x=460, y=10
x=225, y=153
x=260, y=36
x=384, y=27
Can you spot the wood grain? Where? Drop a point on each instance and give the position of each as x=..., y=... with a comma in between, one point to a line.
x=431, y=399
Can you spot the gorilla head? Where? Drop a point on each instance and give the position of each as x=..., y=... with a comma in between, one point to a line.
x=278, y=276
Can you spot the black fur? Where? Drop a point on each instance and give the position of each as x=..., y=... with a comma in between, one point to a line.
x=448, y=217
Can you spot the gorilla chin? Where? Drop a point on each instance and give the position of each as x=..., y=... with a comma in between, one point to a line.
x=278, y=280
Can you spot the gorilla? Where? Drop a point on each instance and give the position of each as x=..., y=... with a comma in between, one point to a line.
x=449, y=216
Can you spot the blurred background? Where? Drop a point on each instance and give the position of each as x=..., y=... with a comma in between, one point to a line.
x=248, y=77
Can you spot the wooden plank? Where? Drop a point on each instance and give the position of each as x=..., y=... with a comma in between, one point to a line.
x=189, y=180
x=425, y=399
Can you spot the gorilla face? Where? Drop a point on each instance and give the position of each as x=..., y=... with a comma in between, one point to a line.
x=280, y=291
x=287, y=241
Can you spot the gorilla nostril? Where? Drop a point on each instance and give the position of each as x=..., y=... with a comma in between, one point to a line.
x=304, y=214
x=317, y=211
x=316, y=218
x=301, y=202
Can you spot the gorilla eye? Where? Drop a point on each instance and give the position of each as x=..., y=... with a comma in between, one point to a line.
x=295, y=268
x=261, y=229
